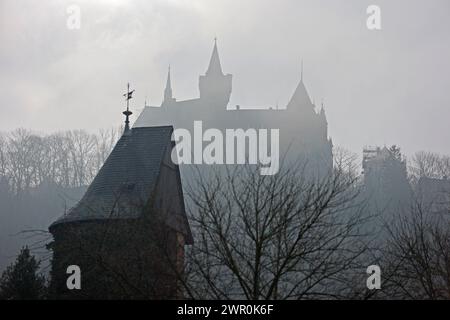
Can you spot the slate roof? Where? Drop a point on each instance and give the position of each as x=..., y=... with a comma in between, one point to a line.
x=127, y=178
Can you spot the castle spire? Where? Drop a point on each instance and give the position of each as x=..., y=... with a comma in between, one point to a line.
x=300, y=98
x=128, y=95
x=214, y=67
x=168, y=89
x=301, y=72
x=322, y=115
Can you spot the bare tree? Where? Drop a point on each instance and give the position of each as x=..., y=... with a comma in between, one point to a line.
x=417, y=256
x=66, y=159
x=81, y=150
x=346, y=162
x=104, y=143
x=3, y=155
x=20, y=151
x=274, y=237
x=430, y=165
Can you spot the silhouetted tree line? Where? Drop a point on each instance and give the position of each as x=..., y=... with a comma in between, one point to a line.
x=41, y=176
x=66, y=159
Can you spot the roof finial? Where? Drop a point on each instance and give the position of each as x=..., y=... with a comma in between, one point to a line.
x=128, y=95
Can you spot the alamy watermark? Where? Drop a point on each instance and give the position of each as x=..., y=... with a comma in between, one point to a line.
x=74, y=280
x=374, y=280
x=74, y=17
x=191, y=150
x=373, y=21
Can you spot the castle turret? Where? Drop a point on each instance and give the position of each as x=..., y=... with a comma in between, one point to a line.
x=131, y=223
x=215, y=87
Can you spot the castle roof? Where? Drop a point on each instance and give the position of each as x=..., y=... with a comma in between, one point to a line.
x=300, y=97
x=127, y=180
x=214, y=67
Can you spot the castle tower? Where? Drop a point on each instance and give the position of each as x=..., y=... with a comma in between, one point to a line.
x=215, y=87
x=128, y=232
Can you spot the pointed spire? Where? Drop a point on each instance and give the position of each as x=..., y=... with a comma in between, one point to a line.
x=168, y=89
x=214, y=67
x=301, y=71
x=301, y=98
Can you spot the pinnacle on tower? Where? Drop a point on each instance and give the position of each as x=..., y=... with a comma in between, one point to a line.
x=214, y=67
x=168, y=89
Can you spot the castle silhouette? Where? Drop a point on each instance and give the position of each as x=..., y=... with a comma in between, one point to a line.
x=303, y=130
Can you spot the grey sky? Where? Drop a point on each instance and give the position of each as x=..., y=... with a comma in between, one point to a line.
x=380, y=87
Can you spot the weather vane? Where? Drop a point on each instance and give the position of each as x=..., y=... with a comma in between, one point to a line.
x=128, y=95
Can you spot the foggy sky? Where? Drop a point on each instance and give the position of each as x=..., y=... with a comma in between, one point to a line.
x=380, y=87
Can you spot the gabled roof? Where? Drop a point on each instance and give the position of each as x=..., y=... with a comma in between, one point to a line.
x=127, y=179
